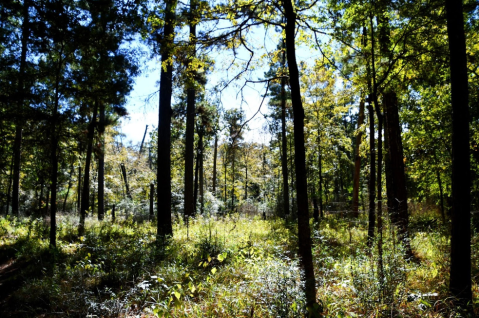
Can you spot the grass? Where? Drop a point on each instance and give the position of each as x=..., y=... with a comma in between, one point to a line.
x=219, y=267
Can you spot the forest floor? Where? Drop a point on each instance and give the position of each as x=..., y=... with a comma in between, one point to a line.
x=229, y=266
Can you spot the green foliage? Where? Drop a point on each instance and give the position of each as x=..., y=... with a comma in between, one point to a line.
x=221, y=267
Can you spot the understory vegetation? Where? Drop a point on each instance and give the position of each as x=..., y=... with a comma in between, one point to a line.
x=221, y=266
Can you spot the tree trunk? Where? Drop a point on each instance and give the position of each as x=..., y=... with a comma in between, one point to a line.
x=69, y=187
x=215, y=154
x=357, y=161
x=372, y=176
x=101, y=163
x=9, y=190
x=224, y=161
x=164, y=125
x=399, y=193
x=113, y=213
x=143, y=140
x=17, y=144
x=233, y=181
x=54, y=159
x=85, y=199
x=79, y=186
x=304, y=233
x=460, y=279
x=202, y=185
x=195, y=190
x=189, y=202
x=388, y=171
x=284, y=143
x=125, y=180
x=246, y=178
x=320, y=168
x=152, y=195
x=47, y=202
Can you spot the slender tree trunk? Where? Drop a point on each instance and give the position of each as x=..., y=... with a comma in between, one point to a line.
x=195, y=190
x=10, y=181
x=164, y=127
x=315, y=205
x=125, y=179
x=202, y=185
x=246, y=178
x=388, y=171
x=292, y=176
x=40, y=200
x=17, y=143
x=224, y=161
x=284, y=148
x=233, y=181
x=357, y=161
x=47, y=202
x=85, y=199
x=101, y=163
x=72, y=170
x=79, y=186
x=304, y=232
x=143, y=141
x=320, y=171
x=54, y=159
x=113, y=213
x=372, y=176
x=189, y=202
x=152, y=196
x=215, y=155
x=460, y=279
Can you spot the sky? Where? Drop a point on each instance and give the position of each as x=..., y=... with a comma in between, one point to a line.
x=142, y=104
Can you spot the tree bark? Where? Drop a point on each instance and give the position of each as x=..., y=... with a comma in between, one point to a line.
x=372, y=176
x=284, y=148
x=143, y=141
x=357, y=161
x=69, y=187
x=164, y=226
x=202, y=185
x=460, y=279
x=195, y=190
x=125, y=179
x=189, y=201
x=9, y=190
x=54, y=158
x=304, y=232
x=79, y=186
x=152, y=195
x=85, y=199
x=396, y=158
x=101, y=163
x=17, y=143
x=215, y=155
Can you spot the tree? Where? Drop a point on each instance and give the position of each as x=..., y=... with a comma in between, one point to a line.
x=460, y=279
x=304, y=231
x=166, y=42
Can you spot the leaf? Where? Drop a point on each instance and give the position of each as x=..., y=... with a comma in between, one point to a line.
x=213, y=270
x=178, y=295
x=209, y=258
x=221, y=257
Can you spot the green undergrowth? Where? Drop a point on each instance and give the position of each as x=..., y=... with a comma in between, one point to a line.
x=229, y=266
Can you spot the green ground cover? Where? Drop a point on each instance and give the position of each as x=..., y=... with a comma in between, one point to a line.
x=229, y=266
